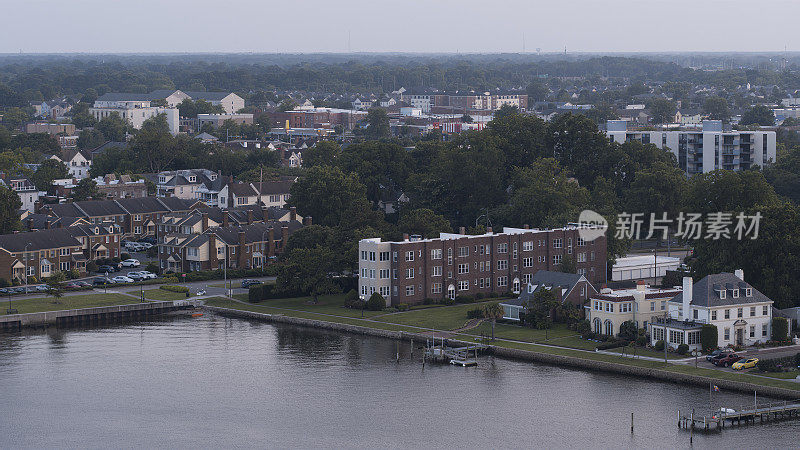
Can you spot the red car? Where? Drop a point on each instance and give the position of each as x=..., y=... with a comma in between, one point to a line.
x=728, y=360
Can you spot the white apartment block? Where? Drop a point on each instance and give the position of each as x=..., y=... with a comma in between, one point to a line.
x=706, y=149
x=136, y=115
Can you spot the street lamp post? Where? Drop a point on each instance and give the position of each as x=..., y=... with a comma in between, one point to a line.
x=263, y=257
x=26, y=267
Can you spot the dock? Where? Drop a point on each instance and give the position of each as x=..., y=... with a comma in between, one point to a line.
x=755, y=414
x=465, y=356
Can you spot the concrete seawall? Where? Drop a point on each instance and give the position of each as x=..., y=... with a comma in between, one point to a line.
x=526, y=355
x=84, y=315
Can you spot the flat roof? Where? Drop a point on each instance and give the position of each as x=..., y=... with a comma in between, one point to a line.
x=645, y=261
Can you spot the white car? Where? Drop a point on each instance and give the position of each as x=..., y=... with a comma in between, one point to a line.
x=122, y=279
x=147, y=275
x=133, y=247
x=131, y=263
x=145, y=245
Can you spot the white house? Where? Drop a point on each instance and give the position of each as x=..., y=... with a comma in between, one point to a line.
x=641, y=267
x=362, y=104
x=77, y=162
x=742, y=314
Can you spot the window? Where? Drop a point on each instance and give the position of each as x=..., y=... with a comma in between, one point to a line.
x=394, y=256
x=652, y=306
x=372, y=256
x=581, y=242
x=384, y=256
x=764, y=330
x=748, y=292
x=384, y=274
x=727, y=334
x=740, y=313
x=384, y=291
x=463, y=252
x=727, y=313
x=527, y=262
x=463, y=268
x=502, y=248
x=752, y=331
x=409, y=256
x=694, y=315
x=437, y=271
x=663, y=305
x=409, y=290
x=436, y=288
x=693, y=337
x=713, y=315
x=463, y=285
x=581, y=257
x=502, y=281
x=557, y=259
x=527, y=246
x=63, y=251
x=436, y=253
x=735, y=293
x=557, y=243
x=64, y=266
x=722, y=294
x=752, y=311
x=410, y=273
x=502, y=264
x=764, y=310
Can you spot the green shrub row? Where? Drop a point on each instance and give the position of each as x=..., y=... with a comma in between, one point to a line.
x=173, y=288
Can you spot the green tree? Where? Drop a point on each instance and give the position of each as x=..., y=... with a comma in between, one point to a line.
x=662, y=110
x=423, y=222
x=376, y=302
x=154, y=143
x=323, y=153
x=15, y=118
x=709, y=337
x=628, y=330
x=758, y=115
x=537, y=91
x=377, y=124
x=113, y=127
x=493, y=311
x=506, y=110
x=307, y=271
x=10, y=204
x=48, y=171
x=85, y=189
x=81, y=117
x=381, y=166
x=55, y=286
x=780, y=329
x=567, y=264
x=190, y=108
x=539, y=309
x=466, y=118
x=717, y=108
x=90, y=138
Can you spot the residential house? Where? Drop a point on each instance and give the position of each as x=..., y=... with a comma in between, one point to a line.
x=99, y=240
x=607, y=310
x=740, y=312
x=25, y=189
x=274, y=192
x=569, y=288
x=40, y=254
x=123, y=187
x=78, y=162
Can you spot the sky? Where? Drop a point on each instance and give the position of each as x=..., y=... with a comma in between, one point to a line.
x=415, y=26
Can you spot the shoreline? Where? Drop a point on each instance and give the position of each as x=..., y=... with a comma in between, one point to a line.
x=525, y=355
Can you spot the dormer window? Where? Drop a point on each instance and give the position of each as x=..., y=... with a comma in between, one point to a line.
x=192, y=179
x=748, y=292
x=162, y=179
x=721, y=294
x=735, y=293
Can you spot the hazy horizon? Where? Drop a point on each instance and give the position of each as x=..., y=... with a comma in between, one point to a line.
x=411, y=26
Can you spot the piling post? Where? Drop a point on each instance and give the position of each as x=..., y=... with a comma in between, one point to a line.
x=398, y=351
x=691, y=429
x=412, y=347
x=679, y=418
x=631, y=423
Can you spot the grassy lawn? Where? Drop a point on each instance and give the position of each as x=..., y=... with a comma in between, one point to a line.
x=34, y=305
x=161, y=295
x=326, y=304
x=791, y=375
x=652, y=353
x=441, y=318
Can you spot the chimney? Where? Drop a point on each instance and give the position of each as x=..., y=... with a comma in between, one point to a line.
x=526, y=226
x=739, y=274
x=405, y=236
x=265, y=214
x=489, y=230
x=30, y=223
x=293, y=213
x=284, y=236
x=249, y=216
x=47, y=223
x=212, y=251
x=204, y=225
x=307, y=221
x=641, y=286
x=271, y=237
x=225, y=222
x=462, y=230
x=241, y=250
x=687, y=296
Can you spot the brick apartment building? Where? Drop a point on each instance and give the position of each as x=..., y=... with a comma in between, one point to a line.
x=458, y=264
x=40, y=254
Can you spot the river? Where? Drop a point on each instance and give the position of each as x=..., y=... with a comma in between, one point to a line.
x=218, y=382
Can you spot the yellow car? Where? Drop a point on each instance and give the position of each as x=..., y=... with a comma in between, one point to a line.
x=745, y=364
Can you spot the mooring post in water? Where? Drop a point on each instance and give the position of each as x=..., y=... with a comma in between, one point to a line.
x=398, y=351
x=691, y=429
x=631, y=423
x=412, y=347
x=679, y=418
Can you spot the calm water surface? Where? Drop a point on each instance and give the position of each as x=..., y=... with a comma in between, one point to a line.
x=217, y=382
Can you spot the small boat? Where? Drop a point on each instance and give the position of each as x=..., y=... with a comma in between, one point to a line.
x=197, y=315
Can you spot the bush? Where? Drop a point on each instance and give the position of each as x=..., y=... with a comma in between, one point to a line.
x=124, y=256
x=780, y=329
x=709, y=338
x=428, y=301
x=376, y=302
x=641, y=341
x=403, y=307
x=116, y=259
x=33, y=280
x=171, y=288
x=659, y=346
x=682, y=349
x=465, y=299
x=480, y=296
x=169, y=280
x=351, y=298
x=153, y=268
x=4, y=282
x=447, y=301
x=475, y=313
x=612, y=343
x=583, y=327
x=628, y=330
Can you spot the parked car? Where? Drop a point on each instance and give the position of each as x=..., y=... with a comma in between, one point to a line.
x=72, y=285
x=148, y=275
x=248, y=283
x=148, y=240
x=40, y=288
x=18, y=290
x=105, y=269
x=4, y=291
x=122, y=279
x=100, y=281
x=135, y=276
x=727, y=360
x=713, y=355
x=131, y=263
x=748, y=363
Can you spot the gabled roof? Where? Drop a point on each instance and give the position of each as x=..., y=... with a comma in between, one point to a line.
x=207, y=96
x=706, y=292
x=124, y=97
x=255, y=232
x=38, y=240
x=545, y=279
x=274, y=187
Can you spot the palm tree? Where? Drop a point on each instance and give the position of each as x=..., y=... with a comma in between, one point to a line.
x=493, y=311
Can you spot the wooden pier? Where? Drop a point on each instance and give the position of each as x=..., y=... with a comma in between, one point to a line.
x=460, y=356
x=756, y=414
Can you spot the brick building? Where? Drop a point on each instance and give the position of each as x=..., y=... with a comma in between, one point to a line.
x=40, y=254
x=458, y=264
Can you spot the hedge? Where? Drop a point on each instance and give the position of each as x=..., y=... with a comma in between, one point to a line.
x=709, y=337
x=172, y=288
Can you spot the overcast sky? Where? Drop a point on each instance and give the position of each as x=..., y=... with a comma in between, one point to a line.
x=288, y=26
